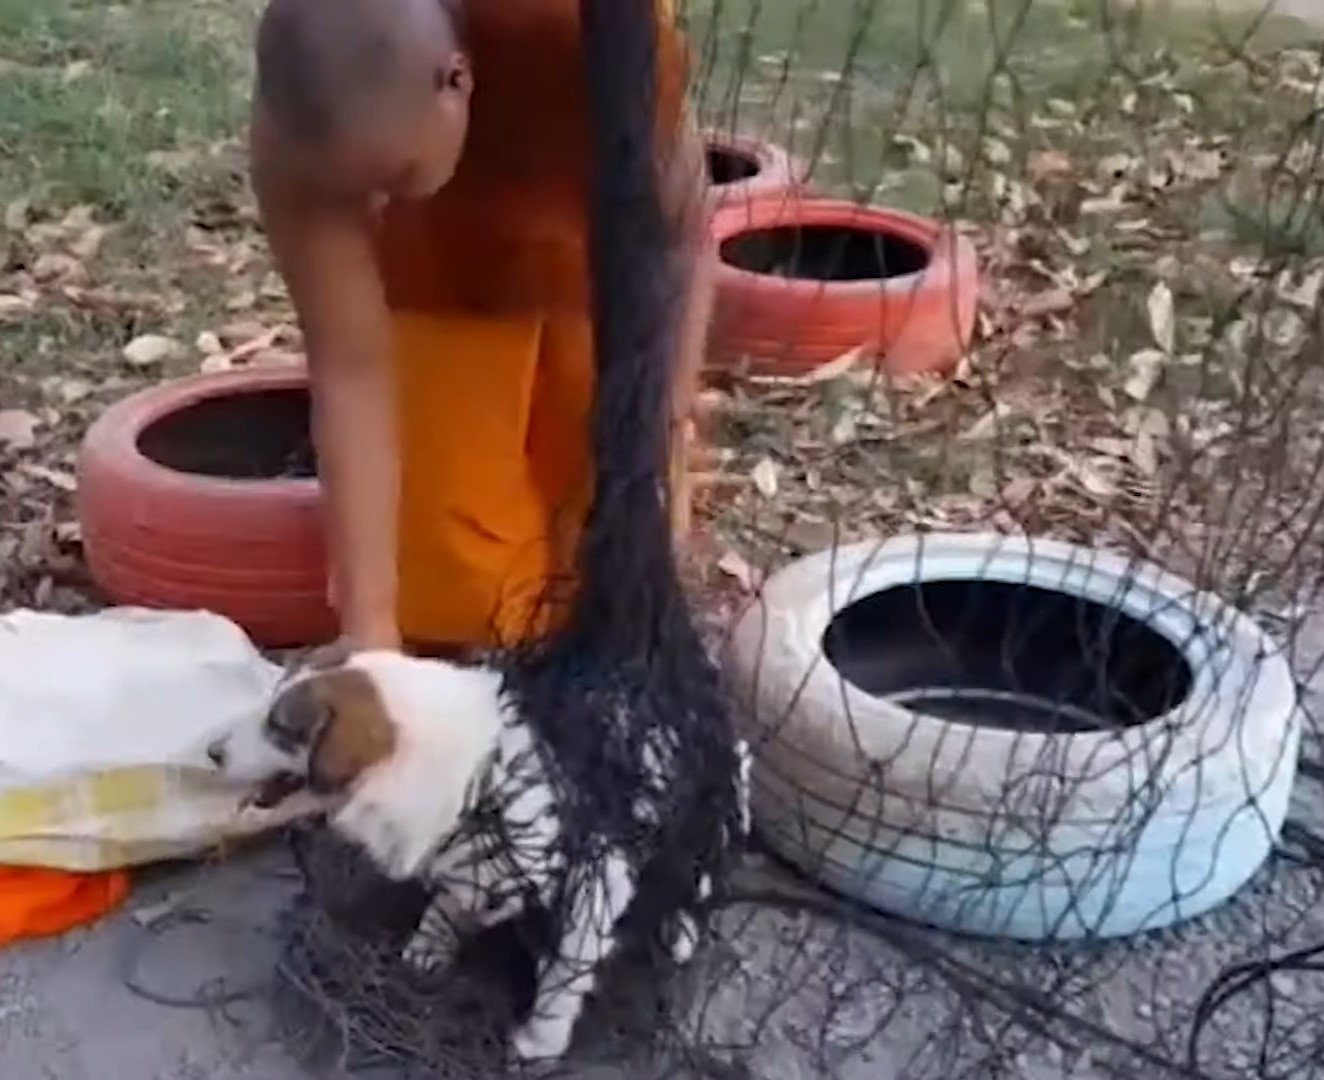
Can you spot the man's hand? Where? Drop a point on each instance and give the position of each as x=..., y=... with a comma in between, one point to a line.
x=322, y=245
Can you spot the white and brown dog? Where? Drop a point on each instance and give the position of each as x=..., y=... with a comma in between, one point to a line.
x=430, y=770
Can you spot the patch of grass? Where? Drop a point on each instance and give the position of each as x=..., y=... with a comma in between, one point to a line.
x=88, y=92
x=851, y=85
x=126, y=109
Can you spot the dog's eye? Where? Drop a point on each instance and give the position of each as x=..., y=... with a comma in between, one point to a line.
x=293, y=722
x=282, y=736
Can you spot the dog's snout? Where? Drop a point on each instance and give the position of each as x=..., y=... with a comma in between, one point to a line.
x=216, y=753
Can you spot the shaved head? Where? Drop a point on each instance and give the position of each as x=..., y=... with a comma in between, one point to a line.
x=330, y=67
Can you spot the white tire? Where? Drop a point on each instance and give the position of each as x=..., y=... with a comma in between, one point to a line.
x=995, y=831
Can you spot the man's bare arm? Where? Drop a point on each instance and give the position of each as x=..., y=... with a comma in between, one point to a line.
x=322, y=246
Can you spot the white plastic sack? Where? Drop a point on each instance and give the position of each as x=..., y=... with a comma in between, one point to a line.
x=104, y=724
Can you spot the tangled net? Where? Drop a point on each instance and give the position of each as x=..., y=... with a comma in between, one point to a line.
x=1144, y=379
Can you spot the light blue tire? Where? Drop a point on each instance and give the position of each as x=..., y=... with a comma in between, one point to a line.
x=996, y=832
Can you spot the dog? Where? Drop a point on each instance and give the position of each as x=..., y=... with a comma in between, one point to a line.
x=429, y=768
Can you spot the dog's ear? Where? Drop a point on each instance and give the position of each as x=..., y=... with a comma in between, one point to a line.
x=354, y=730
x=326, y=657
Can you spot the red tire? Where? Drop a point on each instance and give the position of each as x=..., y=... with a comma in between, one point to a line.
x=903, y=287
x=249, y=549
x=741, y=168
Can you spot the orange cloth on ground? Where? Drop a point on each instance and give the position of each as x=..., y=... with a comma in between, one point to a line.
x=488, y=283
x=38, y=903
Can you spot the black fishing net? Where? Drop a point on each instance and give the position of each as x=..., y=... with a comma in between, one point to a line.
x=1052, y=814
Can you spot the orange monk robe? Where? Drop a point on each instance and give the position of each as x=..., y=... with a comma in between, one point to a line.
x=488, y=283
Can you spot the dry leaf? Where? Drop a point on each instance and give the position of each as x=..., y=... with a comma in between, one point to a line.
x=12, y=304
x=1093, y=481
x=113, y=300
x=1162, y=319
x=149, y=349
x=1114, y=201
x=59, y=478
x=764, y=475
x=809, y=536
x=16, y=215
x=78, y=218
x=1145, y=368
x=55, y=266
x=986, y=427
x=1052, y=302
x=172, y=161
x=996, y=151
x=68, y=532
x=208, y=344
x=71, y=390
x=1045, y=163
x=1145, y=453
x=87, y=245
x=277, y=358
x=17, y=428
x=734, y=565
x=918, y=152
x=216, y=363
x=833, y=369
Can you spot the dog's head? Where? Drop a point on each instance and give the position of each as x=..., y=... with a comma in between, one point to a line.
x=327, y=725
x=392, y=741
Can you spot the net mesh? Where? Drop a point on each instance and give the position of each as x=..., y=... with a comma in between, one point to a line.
x=1069, y=736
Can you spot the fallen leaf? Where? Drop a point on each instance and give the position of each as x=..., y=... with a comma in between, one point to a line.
x=1043, y=164
x=1197, y=165
x=1052, y=302
x=277, y=358
x=1145, y=453
x=215, y=363
x=918, y=152
x=764, y=475
x=208, y=344
x=734, y=565
x=149, y=349
x=243, y=354
x=58, y=478
x=72, y=390
x=78, y=218
x=1144, y=370
x=172, y=161
x=1111, y=203
x=1116, y=166
x=89, y=243
x=12, y=304
x=112, y=300
x=273, y=287
x=833, y=369
x=996, y=151
x=17, y=428
x=844, y=429
x=987, y=425
x=16, y=215
x=1094, y=481
x=235, y=334
x=56, y=266
x=811, y=536
x=1162, y=322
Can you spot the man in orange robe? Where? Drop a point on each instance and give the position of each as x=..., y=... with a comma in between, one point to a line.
x=422, y=169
